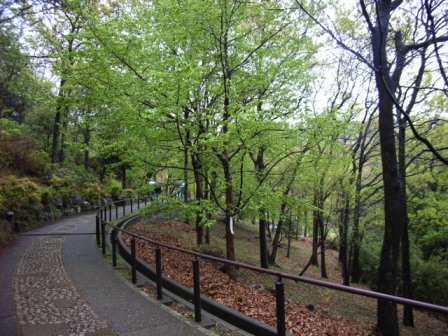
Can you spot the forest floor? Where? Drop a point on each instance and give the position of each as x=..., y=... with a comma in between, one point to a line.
x=328, y=313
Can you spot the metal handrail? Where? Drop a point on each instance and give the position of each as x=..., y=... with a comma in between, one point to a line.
x=280, y=276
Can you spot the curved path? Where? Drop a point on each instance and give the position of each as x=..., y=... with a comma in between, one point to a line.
x=54, y=281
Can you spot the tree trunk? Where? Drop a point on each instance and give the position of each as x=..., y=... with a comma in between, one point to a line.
x=260, y=167
x=276, y=241
x=393, y=208
x=314, y=260
x=87, y=135
x=289, y=234
x=263, y=240
x=187, y=146
x=343, y=245
x=283, y=206
x=55, y=147
x=63, y=138
x=393, y=213
x=124, y=179
x=323, y=265
x=56, y=137
x=186, y=184
x=355, y=269
x=199, y=196
x=408, y=315
x=230, y=238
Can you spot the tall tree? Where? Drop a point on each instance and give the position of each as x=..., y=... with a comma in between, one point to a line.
x=392, y=50
x=57, y=27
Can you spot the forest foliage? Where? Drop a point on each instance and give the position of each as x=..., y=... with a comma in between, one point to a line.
x=267, y=111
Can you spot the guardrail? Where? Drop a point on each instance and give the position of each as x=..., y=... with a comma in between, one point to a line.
x=161, y=282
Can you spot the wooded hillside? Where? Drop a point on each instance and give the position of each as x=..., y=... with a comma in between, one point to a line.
x=318, y=119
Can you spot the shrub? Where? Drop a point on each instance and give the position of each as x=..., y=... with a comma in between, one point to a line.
x=20, y=195
x=145, y=190
x=91, y=192
x=19, y=152
x=369, y=258
x=64, y=188
x=114, y=189
x=130, y=193
x=47, y=196
x=77, y=175
x=430, y=282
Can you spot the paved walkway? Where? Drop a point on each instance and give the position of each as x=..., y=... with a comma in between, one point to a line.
x=54, y=281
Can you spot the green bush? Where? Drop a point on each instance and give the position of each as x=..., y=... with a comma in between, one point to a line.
x=430, y=282
x=434, y=244
x=145, y=190
x=64, y=188
x=114, y=189
x=19, y=152
x=47, y=196
x=91, y=192
x=369, y=258
x=130, y=193
x=20, y=195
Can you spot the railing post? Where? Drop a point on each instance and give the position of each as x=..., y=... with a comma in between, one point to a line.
x=132, y=210
x=101, y=212
x=116, y=209
x=138, y=203
x=124, y=206
x=110, y=212
x=280, y=307
x=159, y=272
x=103, y=237
x=146, y=199
x=197, y=290
x=113, y=238
x=134, y=261
x=97, y=230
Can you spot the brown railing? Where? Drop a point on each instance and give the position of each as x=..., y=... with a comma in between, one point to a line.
x=101, y=223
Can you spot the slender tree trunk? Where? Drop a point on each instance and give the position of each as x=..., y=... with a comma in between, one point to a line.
x=124, y=179
x=393, y=212
x=289, y=234
x=212, y=186
x=87, y=135
x=263, y=240
x=355, y=269
x=314, y=260
x=64, y=134
x=276, y=240
x=342, y=243
x=230, y=237
x=278, y=231
x=86, y=159
x=323, y=265
x=186, y=182
x=55, y=147
x=408, y=315
x=199, y=196
x=305, y=222
x=343, y=246
x=260, y=167
x=56, y=137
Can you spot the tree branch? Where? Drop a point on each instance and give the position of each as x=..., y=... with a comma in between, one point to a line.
x=411, y=125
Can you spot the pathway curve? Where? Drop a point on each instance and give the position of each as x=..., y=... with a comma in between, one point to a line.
x=58, y=284
x=47, y=302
